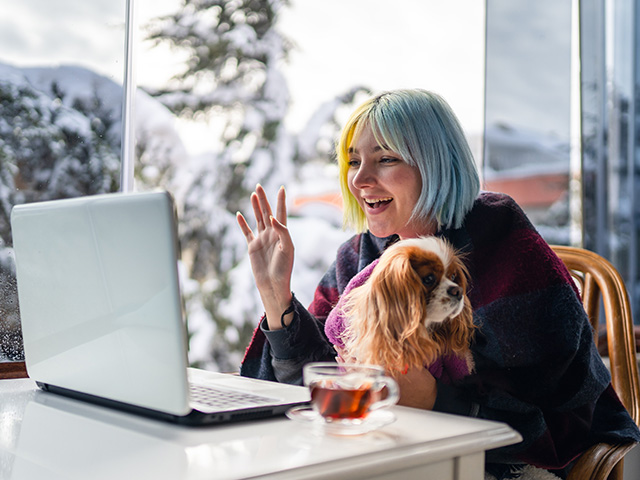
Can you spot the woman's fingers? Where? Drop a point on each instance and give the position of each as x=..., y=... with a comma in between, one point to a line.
x=340, y=352
x=262, y=212
x=244, y=226
x=283, y=233
x=257, y=212
x=281, y=207
x=263, y=202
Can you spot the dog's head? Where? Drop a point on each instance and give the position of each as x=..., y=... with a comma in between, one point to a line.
x=413, y=308
x=430, y=268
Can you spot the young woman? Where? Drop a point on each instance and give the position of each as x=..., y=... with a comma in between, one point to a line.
x=406, y=170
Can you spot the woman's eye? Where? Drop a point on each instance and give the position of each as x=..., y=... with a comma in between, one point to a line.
x=389, y=160
x=354, y=163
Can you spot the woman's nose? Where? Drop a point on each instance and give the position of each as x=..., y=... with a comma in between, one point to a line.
x=364, y=177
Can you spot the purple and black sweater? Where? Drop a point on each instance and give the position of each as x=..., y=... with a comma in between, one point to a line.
x=536, y=366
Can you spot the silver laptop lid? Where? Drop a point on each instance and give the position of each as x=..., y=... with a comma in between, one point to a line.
x=99, y=297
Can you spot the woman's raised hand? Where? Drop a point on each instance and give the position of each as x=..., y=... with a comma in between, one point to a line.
x=271, y=254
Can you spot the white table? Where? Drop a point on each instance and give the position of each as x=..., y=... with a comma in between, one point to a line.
x=43, y=436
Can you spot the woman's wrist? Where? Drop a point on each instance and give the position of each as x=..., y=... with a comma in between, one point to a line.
x=278, y=311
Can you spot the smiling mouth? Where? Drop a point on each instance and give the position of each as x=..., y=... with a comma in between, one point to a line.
x=378, y=202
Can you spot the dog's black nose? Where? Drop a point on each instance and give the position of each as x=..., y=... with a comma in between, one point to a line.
x=455, y=292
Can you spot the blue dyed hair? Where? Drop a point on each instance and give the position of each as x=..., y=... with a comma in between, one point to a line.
x=421, y=127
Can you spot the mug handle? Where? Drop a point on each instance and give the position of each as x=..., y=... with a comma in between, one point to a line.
x=393, y=393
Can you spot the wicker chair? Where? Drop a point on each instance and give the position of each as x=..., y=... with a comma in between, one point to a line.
x=598, y=279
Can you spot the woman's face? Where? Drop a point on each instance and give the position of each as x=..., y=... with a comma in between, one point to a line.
x=386, y=188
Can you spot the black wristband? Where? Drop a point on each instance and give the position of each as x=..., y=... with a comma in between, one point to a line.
x=289, y=309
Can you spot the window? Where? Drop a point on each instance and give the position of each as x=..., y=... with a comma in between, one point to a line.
x=61, y=73
x=562, y=124
x=528, y=111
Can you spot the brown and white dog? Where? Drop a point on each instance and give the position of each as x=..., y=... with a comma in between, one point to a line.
x=412, y=309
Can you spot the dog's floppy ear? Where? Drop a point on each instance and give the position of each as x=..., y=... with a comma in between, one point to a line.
x=385, y=311
x=398, y=294
x=456, y=334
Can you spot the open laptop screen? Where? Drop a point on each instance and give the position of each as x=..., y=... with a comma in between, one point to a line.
x=99, y=297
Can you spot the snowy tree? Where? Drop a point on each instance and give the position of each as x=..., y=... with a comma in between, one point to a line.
x=50, y=151
x=233, y=72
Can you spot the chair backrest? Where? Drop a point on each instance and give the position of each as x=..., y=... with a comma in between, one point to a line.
x=599, y=279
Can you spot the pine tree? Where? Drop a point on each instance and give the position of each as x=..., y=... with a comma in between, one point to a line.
x=235, y=53
x=50, y=151
x=233, y=72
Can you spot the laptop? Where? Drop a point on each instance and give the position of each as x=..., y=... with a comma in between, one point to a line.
x=102, y=317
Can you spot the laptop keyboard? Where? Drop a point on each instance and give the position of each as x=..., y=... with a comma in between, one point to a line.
x=217, y=399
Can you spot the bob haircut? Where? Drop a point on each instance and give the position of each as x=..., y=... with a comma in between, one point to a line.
x=421, y=127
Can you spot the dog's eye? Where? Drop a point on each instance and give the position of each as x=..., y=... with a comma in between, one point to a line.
x=454, y=277
x=429, y=280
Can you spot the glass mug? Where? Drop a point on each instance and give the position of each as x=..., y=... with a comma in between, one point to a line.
x=347, y=392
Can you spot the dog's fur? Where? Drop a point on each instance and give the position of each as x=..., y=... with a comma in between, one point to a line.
x=412, y=309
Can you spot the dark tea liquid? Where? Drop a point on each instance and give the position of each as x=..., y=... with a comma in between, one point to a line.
x=336, y=403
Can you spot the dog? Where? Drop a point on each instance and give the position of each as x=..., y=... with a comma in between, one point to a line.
x=412, y=310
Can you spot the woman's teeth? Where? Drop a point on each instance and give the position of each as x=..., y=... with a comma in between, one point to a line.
x=378, y=202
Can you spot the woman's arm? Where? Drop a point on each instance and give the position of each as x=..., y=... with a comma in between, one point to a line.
x=280, y=354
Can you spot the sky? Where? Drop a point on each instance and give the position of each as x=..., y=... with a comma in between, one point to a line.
x=54, y=32
x=429, y=44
